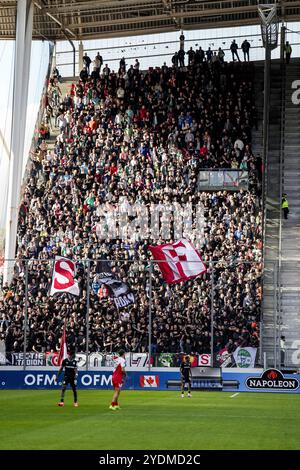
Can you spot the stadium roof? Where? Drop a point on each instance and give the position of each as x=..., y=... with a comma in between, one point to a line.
x=91, y=19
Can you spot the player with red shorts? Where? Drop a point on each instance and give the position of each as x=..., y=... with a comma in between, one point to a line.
x=118, y=379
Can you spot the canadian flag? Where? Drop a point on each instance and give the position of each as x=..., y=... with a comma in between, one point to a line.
x=63, y=353
x=63, y=277
x=147, y=381
x=178, y=261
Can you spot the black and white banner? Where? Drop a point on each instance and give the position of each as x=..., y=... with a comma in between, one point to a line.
x=119, y=290
x=32, y=359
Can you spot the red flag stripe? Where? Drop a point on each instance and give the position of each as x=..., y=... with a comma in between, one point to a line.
x=63, y=347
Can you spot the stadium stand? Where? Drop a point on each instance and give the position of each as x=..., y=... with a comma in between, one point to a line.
x=143, y=136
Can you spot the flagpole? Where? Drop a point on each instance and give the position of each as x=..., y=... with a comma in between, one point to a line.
x=150, y=315
x=87, y=313
x=63, y=344
x=212, y=294
x=25, y=313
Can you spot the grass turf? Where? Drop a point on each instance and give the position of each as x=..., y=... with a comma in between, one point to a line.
x=149, y=420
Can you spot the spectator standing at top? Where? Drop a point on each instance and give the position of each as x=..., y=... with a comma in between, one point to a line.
x=98, y=62
x=181, y=41
x=201, y=55
x=87, y=62
x=234, y=47
x=221, y=54
x=245, y=48
x=122, y=65
x=175, y=59
x=136, y=65
x=209, y=54
x=181, y=55
x=288, y=51
x=191, y=56
x=285, y=205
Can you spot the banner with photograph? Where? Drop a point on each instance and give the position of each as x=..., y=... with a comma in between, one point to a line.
x=119, y=290
x=245, y=357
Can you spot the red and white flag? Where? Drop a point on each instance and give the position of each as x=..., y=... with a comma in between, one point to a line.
x=63, y=353
x=63, y=280
x=179, y=261
x=149, y=381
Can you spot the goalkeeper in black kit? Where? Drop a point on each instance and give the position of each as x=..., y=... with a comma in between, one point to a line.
x=186, y=374
x=71, y=372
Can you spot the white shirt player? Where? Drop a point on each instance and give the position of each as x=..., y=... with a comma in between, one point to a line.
x=119, y=365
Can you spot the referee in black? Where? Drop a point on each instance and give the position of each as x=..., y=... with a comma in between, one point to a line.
x=186, y=374
x=71, y=372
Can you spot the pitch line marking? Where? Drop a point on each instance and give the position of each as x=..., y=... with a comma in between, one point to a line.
x=234, y=395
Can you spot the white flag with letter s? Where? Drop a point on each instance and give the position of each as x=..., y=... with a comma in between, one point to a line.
x=64, y=272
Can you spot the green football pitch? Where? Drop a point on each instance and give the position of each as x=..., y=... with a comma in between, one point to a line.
x=149, y=420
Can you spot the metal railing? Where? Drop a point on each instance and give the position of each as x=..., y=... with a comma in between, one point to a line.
x=269, y=353
x=288, y=358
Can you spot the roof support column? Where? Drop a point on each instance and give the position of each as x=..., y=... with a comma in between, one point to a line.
x=80, y=57
x=20, y=95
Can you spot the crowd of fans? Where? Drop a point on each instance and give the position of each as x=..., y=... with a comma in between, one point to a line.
x=141, y=137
